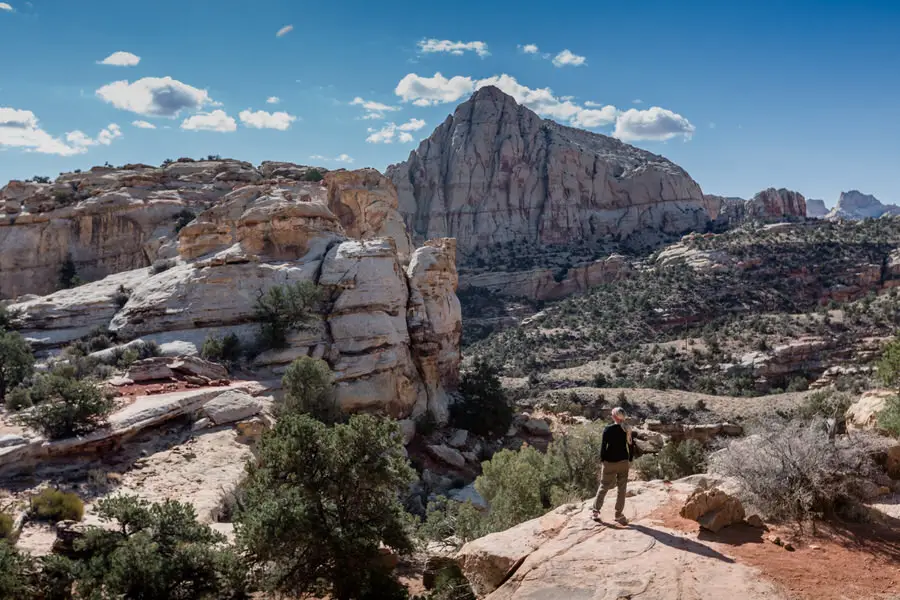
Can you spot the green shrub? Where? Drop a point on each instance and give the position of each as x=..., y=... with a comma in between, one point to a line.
x=55, y=505
x=16, y=573
x=161, y=265
x=572, y=464
x=484, y=409
x=68, y=274
x=308, y=385
x=798, y=384
x=447, y=521
x=16, y=361
x=156, y=551
x=321, y=501
x=19, y=398
x=66, y=407
x=512, y=484
x=182, y=218
x=889, y=365
x=313, y=175
x=226, y=350
x=120, y=299
x=889, y=417
x=284, y=309
x=674, y=461
x=6, y=526
x=827, y=404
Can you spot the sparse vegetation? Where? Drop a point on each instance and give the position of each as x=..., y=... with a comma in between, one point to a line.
x=674, y=461
x=120, y=299
x=484, y=409
x=313, y=175
x=283, y=309
x=182, y=218
x=889, y=417
x=6, y=526
x=889, y=365
x=308, y=389
x=16, y=361
x=68, y=274
x=794, y=470
x=321, y=500
x=66, y=406
x=54, y=505
x=161, y=265
x=16, y=572
x=226, y=350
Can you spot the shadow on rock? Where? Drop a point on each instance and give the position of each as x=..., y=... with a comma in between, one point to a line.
x=681, y=543
x=734, y=535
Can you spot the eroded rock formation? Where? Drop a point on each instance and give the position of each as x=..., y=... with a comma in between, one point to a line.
x=389, y=331
x=854, y=205
x=495, y=172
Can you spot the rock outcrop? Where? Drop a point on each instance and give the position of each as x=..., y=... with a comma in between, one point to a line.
x=713, y=509
x=768, y=204
x=548, y=283
x=816, y=209
x=495, y=172
x=565, y=554
x=854, y=206
x=390, y=332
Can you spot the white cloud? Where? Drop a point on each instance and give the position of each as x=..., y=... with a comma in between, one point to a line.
x=386, y=134
x=273, y=100
x=374, y=110
x=121, y=59
x=425, y=91
x=6, y=7
x=568, y=59
x=217, y=120
x=341, y=158
x=79, y=139
x=655, y=123
x=265, y=120
x=20, y=129
x=143, y=125
x=154, y=96
x=284, y=31
x=457, y=48
x=637, y=101
x=528, y=48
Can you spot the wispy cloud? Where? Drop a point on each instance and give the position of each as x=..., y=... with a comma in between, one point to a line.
x=386, y=134
x=273, y=100
x=528, y=48
x=374, y=110
x=458, y=48
x=20, y=129
x=143, y=125
x=341, y=158
x=6, y=7
x=284, y=31
x=121, y=59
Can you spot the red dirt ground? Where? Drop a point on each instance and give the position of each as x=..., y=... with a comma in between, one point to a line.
x=838, y=562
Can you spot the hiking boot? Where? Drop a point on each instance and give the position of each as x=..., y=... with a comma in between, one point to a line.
x=621, y=520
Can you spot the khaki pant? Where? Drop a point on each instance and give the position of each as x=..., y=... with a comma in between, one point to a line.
x=614, y=474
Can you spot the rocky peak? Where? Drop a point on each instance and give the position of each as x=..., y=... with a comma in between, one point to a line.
x=778, y=203
x=495, y=172
x=855, y=205
x=816, y=209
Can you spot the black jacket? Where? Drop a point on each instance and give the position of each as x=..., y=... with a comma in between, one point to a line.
x=614, y=445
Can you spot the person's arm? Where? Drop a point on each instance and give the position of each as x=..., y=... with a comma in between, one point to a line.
x=603, y=445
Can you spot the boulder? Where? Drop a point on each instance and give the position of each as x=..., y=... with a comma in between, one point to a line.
x=198, y=367
x=67, y=533
x=150, y=369
x=407, y=430
x=231, y=406
x=469, y=494
x=537, y=427
x=713, y=509
x=448, y=455
x=458, y=438
x=863, y=414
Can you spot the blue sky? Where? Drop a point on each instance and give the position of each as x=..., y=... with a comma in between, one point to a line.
x=795, y=94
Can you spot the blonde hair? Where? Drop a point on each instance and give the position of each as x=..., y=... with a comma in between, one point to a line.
x=618, y=412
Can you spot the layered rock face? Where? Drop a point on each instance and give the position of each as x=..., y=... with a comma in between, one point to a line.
x=770, y=203
x=854, y=205
x=389, y=331
x=495, y=172
x=816, y=209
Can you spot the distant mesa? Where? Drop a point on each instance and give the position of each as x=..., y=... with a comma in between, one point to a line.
x=854, y=206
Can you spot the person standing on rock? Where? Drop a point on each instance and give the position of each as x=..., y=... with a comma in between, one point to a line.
x=616, y=452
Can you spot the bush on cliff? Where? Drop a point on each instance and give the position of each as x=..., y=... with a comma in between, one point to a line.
x=674, y=461
x=308, y=388
x=321, y=501
x=16, y=361
x=484, y=409
x=16, y=572
x=284, y=309
x=226, y=350
x=889, y=365
x=54, y=505
x=65, y=406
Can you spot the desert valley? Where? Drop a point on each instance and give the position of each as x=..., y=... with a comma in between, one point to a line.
x=214, y=372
